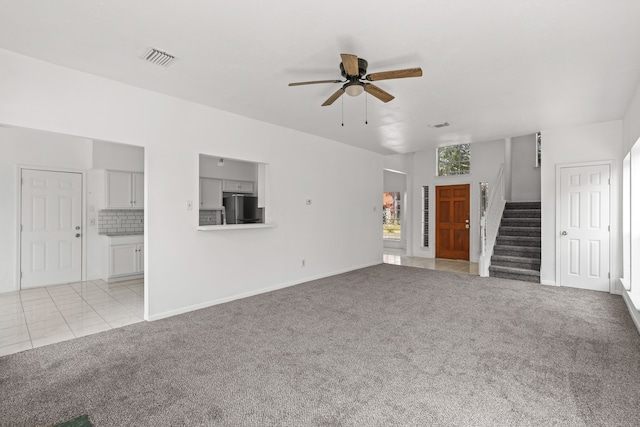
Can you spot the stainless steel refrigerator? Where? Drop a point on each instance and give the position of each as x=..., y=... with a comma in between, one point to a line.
x=241, y=209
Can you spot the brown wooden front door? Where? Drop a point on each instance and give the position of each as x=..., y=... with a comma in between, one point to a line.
x=452, y=222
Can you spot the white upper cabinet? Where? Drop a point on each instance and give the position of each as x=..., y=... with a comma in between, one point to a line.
x=234, y=186
x=124, y=190
x=138, y=190
x=210, y=193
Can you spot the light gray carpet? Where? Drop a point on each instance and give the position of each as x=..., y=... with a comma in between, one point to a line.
x=381, y=346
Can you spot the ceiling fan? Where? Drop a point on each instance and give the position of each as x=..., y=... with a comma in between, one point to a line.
x=354, y=70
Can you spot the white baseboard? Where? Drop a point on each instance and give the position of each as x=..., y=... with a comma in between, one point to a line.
x=252, y=293
x=635, y=314
x=124, y=278
x=548, y=282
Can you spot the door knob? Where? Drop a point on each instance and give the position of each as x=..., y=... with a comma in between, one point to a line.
x=77, y=227
x=77, y=234
x=467, y=221
x=466, y=226
x=564, y=233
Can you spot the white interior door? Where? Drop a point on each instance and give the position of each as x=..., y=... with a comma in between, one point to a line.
x=51, y=219
x=584, y=227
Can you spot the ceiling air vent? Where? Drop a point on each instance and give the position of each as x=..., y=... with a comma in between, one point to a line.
x=440, y=125
x=159, y=57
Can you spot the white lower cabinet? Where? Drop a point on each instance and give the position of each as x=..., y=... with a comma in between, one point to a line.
x=126, y=257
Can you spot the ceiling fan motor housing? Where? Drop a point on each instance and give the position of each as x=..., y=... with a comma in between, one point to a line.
x=362, y=69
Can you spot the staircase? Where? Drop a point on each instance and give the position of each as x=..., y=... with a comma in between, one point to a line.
x=516, y=254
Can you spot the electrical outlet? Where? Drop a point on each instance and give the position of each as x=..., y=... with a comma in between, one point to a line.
x=304, y=263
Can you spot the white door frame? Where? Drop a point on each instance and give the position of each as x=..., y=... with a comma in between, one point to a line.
x=612, y=220
x=20, y=168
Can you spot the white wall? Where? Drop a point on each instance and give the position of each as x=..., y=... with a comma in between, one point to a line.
x=232, y=169
x=394, y=182
x=525, y=176
x=29, y=148
x=186, y=268
x=110, y=155
x=486, y=158
x=594, y=142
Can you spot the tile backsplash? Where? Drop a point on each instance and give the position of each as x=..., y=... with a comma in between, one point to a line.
x=120, y=221
x=210, y=217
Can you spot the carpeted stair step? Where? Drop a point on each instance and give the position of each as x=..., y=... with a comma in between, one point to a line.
x=524, y=263
x=521, y=213
x=519, y=231
x=514, y=273
x=522, y=205
x=519, y=241
x=520, y=222
x=517, y=251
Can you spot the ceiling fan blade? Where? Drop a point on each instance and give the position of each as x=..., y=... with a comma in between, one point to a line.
x=378, y=93
x=350, y=64
x=333, y=97
x=314, y=82
x=396, y=74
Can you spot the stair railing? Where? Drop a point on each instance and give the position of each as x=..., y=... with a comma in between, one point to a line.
x=491, y=209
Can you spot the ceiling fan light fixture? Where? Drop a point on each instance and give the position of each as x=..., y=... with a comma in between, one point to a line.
x=354, y=89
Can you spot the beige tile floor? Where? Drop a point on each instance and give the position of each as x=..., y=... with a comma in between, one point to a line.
x=35, y=317
x=397, y=257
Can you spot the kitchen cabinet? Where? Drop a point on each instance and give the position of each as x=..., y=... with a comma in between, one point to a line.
x=126, y=257
x=234, y=186
x=124, y=190
x=210, y=193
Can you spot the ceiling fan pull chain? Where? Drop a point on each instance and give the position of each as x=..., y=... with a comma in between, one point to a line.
x=366, y=109
x=342, y=111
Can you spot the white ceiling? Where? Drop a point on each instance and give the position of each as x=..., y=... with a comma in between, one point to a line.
x=492, y=68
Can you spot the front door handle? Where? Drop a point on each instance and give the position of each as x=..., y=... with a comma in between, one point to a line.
x=564, y=233
x=77, y=234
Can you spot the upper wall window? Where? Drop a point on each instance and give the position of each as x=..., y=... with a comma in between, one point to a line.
x=454, y=160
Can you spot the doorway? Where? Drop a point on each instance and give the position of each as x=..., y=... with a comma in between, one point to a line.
x=50, y=228
x=584, y=226
x=395, y=229
x=452, y=221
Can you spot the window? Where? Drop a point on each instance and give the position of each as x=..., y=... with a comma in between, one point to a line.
x=626, y=222
x=538, y=149
x=391, y=215
x=425, y=216
x=454, y=160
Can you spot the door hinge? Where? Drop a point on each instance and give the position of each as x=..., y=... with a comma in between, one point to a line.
x=608, y=228
x=21, y=229
x=21, y=274
x=609, y=275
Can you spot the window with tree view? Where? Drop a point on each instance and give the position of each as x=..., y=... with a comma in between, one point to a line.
x=454, y=160
x=391, y=215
